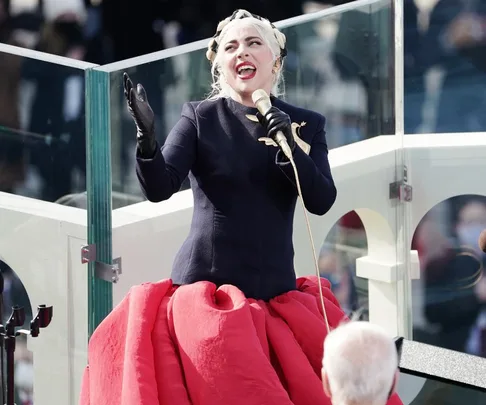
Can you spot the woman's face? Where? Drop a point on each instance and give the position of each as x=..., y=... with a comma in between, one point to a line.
x=246, y=61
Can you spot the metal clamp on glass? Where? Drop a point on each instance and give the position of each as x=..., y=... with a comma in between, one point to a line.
x=103, y=271
x=401, y=190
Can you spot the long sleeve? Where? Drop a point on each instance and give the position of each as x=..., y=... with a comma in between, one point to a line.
x=316, y=182
x=162, y=176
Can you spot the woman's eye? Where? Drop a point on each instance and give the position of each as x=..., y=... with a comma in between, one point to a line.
x=255, y=43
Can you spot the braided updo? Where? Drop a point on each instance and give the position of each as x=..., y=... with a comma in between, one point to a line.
x=275, y=40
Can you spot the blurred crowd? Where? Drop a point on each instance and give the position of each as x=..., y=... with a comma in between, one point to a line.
x=42, y=120
x=329, y=67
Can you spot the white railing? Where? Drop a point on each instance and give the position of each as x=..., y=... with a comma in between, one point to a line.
x=42, y=242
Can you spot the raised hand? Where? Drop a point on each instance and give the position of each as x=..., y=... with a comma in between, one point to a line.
x=143, y=116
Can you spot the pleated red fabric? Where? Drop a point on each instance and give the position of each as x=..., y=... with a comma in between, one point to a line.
x=201, y=345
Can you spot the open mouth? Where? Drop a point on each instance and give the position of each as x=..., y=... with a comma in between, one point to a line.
x=246, y=70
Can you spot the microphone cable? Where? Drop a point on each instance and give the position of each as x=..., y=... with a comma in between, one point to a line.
x=288, y=153
x=263, y=103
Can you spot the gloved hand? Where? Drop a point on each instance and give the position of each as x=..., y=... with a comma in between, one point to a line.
x=141, y=112
x=274, y=121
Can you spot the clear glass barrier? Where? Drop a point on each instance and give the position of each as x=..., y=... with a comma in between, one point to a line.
x=340, y=63
x=438, y=392
x=43, y=156
x=449, y=293
x=42, y=126
x=444, y=71
x=444, y=99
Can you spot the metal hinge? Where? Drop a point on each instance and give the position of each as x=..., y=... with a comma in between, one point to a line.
x=107, y=272
x=401, y=190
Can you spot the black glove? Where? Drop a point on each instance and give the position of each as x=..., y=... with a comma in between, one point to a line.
x=275, y=121
x=142, y=114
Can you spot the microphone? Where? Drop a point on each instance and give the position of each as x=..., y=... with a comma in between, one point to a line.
x=482, y=241
x=263, y=104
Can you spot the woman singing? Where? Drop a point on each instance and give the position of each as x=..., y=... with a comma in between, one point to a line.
x=233, y=325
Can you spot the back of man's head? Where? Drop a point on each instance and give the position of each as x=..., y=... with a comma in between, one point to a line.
x=360, y=365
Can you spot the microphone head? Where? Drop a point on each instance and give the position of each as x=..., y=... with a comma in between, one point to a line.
x=482, y=241
x=262, y=101
x=259, y=95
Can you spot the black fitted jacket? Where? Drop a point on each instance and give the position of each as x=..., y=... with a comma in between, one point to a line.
x=244, y=194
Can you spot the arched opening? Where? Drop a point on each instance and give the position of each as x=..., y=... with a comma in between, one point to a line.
x=449, y=299
x=15, y=294
x=345, y=243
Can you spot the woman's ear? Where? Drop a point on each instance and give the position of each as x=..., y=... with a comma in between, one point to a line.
x=276, y=66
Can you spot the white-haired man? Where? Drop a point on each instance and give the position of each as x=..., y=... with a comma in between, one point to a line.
x=360, y=365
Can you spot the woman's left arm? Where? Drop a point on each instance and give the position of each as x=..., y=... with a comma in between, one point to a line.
x=316, y=182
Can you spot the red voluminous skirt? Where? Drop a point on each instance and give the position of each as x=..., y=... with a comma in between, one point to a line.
x=201, y=345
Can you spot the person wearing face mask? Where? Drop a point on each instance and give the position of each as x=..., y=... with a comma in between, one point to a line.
x=452, y=279
x=233, y=324
x=470, y=224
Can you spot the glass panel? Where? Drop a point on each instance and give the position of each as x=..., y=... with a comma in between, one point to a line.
x=444, y=70
x=343, y=68
x=42, y=156
x=448, y=298
x=401, y=188
x=338, y=64
x=443, y=86
x=443, y=79
x=425, y=391
x=100, y=299
x=345, y=243
x=42, y=126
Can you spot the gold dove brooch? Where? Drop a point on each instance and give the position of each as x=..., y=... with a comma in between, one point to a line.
x=295, y=132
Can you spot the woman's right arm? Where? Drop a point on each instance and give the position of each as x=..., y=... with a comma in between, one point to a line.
x=160, y=171
x=163, y=174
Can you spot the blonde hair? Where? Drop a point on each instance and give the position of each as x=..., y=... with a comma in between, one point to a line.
x=270, y=35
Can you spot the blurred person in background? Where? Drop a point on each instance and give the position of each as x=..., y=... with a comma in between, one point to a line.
x=147, y=20
x=456, y=42
x=333, y=267
x=360, y=365
x=57, y=112
x=24, y=373
x=454, y=295
x=353, y=62
x=12, y=150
